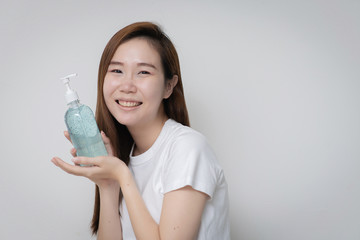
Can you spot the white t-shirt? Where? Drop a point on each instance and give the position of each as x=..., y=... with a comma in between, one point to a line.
x=180, y=157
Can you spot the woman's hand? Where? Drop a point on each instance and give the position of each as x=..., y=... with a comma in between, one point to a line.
x=102, y=182
x=104, y=170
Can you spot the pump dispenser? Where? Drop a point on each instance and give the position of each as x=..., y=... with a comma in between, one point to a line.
x=81, y=124
x=70, y=94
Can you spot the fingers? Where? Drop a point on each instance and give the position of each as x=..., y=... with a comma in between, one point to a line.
x=67, y=135
x=94, y=161
x=107, y=143
x=73, y=152
x=105, y=138
x=71, y=169
x=95, y=169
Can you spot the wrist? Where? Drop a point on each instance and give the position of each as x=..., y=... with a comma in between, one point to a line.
x=124, y=176
x=109, y=186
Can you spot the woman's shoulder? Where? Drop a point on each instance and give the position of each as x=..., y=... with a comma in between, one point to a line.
x=190, y=144
x=184, y=135
x=189, y=157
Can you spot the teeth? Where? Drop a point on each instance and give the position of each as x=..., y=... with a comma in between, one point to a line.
x=128, y=104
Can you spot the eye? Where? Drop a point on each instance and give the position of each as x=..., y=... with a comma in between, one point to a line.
x=144, y=72
x=116, y=71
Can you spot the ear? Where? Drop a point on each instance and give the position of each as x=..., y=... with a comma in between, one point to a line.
x=170, y=84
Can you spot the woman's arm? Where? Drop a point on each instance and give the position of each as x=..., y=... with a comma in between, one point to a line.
x=180, y=216
x=109, y=220
x=181, y=213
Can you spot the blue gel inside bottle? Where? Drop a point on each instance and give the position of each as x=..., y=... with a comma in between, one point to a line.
x=83, y=130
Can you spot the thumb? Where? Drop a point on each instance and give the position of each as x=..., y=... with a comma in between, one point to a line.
x=107, y=144
x=87, y=161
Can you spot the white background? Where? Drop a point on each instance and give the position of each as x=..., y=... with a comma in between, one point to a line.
x=274, y=85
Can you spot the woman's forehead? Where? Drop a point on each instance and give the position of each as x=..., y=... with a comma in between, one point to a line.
x=139, y=52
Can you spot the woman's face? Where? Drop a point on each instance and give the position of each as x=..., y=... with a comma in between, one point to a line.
x=134, y=85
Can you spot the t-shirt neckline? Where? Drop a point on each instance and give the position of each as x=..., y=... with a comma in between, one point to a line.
x=146, y=156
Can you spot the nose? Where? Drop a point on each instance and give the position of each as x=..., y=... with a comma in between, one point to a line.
x=127, y=84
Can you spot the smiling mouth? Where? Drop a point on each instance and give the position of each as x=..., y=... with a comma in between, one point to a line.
x=128, y=103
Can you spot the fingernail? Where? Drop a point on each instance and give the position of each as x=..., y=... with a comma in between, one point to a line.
x=102, y=132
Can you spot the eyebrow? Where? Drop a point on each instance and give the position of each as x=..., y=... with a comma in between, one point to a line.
x=139, y=64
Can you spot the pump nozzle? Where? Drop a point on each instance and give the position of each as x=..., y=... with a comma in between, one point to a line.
x=70, y=94
x=66, y=79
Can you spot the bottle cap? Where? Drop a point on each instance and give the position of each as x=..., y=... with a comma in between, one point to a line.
x=70, y=94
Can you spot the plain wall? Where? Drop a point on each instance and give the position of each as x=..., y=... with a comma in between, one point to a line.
x=274, y=85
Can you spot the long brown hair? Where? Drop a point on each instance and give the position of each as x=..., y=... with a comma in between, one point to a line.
x=174, y=106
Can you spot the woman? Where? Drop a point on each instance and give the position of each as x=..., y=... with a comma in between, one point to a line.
x=162, y=173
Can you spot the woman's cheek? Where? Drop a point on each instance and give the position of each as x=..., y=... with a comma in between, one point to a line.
x=108, y=87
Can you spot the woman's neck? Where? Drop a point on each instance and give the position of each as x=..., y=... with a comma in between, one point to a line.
x=145, y=136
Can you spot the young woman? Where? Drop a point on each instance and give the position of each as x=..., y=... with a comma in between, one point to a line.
x=161, y=180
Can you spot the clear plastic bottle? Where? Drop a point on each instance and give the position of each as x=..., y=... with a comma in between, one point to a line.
x=81, y=125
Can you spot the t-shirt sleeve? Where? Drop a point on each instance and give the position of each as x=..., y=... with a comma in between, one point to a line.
x=191, y=162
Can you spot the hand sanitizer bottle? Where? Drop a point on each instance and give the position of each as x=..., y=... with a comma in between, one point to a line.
x=81, y=124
